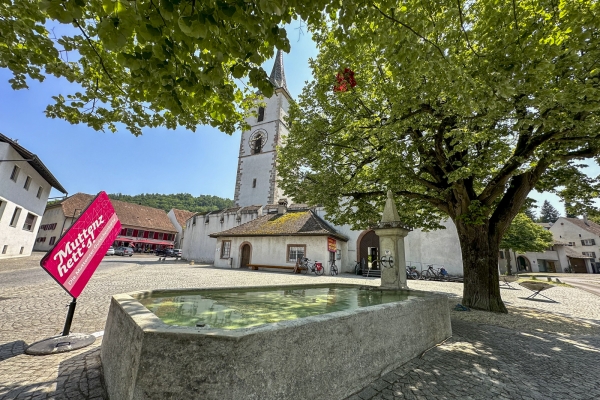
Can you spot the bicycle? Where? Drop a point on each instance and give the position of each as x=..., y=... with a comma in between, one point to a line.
x=358, y=268
x=333, y=269
x=308, y=266
x=433, y=273
x=412, y=273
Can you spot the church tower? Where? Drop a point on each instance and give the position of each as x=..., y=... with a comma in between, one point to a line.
x=256, y=182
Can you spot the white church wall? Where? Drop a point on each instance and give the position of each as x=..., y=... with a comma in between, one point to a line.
x=198, y=245
x=254, y=167
x=440, y=248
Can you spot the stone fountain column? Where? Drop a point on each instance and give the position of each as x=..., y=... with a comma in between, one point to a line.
x=391, y=232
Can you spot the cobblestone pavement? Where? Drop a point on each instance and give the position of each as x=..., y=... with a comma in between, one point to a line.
x=479, y=361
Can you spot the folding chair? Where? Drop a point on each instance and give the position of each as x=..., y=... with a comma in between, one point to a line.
x=506, y=283
x=537, y=288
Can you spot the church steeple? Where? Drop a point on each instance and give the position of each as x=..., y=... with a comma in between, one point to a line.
x=277, y=77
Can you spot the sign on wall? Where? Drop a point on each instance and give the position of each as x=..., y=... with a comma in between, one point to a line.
x=331, y=244
x=75, y=257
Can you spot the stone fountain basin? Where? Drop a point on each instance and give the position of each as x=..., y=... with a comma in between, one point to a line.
x=328, y=356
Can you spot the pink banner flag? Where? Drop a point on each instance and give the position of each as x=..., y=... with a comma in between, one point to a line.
x=73, y=260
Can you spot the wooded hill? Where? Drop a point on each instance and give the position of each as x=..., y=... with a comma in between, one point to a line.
x=182, y=201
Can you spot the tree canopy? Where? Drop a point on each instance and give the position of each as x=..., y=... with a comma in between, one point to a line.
x=524, y=235
x=181, y=201
x=461, y=109
x=149, y=63
x=548, y=213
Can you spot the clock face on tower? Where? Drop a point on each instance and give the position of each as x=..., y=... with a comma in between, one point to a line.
x=257, y=141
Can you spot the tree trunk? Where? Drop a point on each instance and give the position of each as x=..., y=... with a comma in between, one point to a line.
x=508, y=265
x=480, y=249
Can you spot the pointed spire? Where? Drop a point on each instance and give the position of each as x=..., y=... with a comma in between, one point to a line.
x=277, y=77
x=390, y=213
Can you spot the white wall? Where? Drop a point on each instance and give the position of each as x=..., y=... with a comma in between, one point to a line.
x=200, y=247
x=13, y=195
x=52, y=215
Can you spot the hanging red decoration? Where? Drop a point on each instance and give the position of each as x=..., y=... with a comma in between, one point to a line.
x=344, y=80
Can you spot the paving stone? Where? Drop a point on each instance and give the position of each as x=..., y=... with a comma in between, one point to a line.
x=479, y=360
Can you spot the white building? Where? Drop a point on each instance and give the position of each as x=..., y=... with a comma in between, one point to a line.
x=218, y=237
x=25, y=185
x=583, y=238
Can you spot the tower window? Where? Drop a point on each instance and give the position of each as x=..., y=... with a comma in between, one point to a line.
x=257, y=141
x=254, y=183
x=261, y=114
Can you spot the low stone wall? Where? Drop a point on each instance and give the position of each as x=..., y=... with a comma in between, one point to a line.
x=329, y=356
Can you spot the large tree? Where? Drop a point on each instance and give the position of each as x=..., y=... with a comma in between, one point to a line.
x=148, y=63
x=548, y=213
x=460, y=108
x=525, y=235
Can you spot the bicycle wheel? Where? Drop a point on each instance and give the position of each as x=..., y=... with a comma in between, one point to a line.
x=413, y=275
x=333, y=270
x=319, y=271
x=304, y=268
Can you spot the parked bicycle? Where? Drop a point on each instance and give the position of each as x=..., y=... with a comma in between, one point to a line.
x=358, y=268
x=311, y=266
x=333, y=269
x=434, y=273
x=412, y=273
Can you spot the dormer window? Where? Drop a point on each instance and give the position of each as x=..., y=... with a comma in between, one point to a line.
x=261, y=114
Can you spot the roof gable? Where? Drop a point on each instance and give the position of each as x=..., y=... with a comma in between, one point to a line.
x=129, y=213
x=182, y=216
x=591, y=227
x=292, y=223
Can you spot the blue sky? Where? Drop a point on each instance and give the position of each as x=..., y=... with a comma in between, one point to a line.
x=159, y=161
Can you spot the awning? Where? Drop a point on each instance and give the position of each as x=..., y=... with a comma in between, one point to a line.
x=158, y=242
x=124, y=239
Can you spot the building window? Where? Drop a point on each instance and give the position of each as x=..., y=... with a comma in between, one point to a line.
x=571, y=243
x=2, y=207
x=21, y=251
x=295, y=251
x=194, y=220
x=39, y=193
x=27, y=183
x=225, y=248
x=129, y=232
x=4, y=249
x=29, y=222
x=588, y=242
x=15, y=217
x=502, y=255
x=140, y=234
x=52, y=240
x=15, y=173
x=254, y=183
x=261, y=114
x=589, y=254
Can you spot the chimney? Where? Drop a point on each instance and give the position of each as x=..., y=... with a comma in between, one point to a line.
x=585, y=219
x=282, y=206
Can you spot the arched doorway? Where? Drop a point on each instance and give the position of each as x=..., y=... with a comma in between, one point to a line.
x=368, y=248
x=523, y=264
x=245, y=255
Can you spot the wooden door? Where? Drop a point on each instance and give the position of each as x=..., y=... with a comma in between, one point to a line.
x=551, y=266
x=578, y=265
x=245, y=256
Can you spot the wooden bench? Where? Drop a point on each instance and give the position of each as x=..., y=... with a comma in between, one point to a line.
x=257, y=266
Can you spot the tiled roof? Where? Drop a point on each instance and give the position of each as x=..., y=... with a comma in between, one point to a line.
x=129, y=214
x=573, y=254
x=35, y=162
x=182, y=215
x=590, y=227
x=293, y=223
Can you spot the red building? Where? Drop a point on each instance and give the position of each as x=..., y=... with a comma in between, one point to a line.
x=144, y=228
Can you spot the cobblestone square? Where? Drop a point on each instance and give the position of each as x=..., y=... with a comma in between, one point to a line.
x=541, y=350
